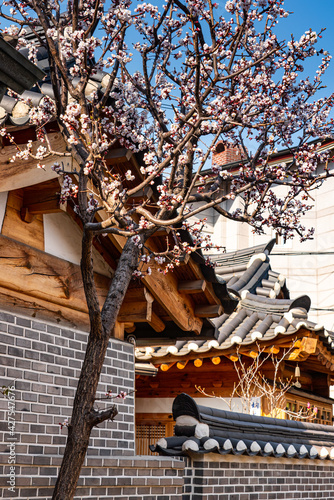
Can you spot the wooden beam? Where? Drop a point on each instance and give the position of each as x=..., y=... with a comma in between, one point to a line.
x=29, y=275
x=13, y=227
x=43, y=310
x=179, y=308
x=233, y=357
x=216, y=360
x=156, y=323
x=137, y=307
x=120, y=155
x=212, y=311
x=195, y=286
x=118, y=332
x=50, y=206
x=39, y=275
x=209, y=291
x=164, y=290
x=166, y=366
x=43, y=198
x=21, y=173
x=135, y=312
x=198, y=362
x=253, y=353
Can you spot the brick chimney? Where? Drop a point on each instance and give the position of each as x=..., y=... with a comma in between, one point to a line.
x=225, y=153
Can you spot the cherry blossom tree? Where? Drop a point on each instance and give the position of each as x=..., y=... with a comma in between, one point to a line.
x=181, y=76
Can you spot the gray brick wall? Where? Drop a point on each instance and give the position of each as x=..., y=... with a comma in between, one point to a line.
x=43, y=362
x=149, y=478
x=253, y=478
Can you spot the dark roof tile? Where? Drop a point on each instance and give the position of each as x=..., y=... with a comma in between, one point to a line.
x=240, y=433
x=264, y=310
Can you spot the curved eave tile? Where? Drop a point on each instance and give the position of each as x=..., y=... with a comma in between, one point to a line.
x=19, y=122
x=187, y=445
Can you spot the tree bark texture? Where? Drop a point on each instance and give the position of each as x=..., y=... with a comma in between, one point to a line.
x=84, y=417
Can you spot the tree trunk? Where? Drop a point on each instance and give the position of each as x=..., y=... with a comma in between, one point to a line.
x=84, y=417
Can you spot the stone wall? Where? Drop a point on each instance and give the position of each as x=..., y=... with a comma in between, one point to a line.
x=257, y=478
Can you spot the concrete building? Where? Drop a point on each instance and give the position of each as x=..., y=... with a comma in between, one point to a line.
x=308, y=266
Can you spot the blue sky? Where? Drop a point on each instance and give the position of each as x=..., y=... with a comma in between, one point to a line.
x=306, y=14
x=316, y=15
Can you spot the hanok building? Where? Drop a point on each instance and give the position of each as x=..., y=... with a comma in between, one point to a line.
x=265, y=321
x=44, y=322
x=44, y=319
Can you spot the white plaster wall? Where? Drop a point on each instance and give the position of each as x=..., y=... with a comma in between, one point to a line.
x=62, y=238
x=306, y=274
x=164, y=405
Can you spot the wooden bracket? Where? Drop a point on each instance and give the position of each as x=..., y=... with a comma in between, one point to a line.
x=42, y=198
x=303, y=349
x=138, y=308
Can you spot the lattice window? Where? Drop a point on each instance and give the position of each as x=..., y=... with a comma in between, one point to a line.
x=150, y=427
x=147, y=434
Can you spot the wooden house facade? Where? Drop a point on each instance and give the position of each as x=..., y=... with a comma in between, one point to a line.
x=267, y=324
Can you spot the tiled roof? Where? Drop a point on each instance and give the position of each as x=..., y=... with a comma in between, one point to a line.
x=16, y=71
x=264, y=312
x=16, y=113
x=199, y=429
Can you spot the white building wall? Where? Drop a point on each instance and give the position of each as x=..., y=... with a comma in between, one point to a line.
x=62, y=238
x=306, y=274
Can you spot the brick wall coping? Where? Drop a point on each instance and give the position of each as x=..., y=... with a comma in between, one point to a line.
x=205, y=430
x=209, y=460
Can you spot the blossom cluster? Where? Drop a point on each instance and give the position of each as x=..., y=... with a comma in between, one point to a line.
x=189, y=75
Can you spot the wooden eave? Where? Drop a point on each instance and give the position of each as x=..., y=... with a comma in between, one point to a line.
x=186, y=307
x=183, y=376
x=168, y=304
x=281, y=343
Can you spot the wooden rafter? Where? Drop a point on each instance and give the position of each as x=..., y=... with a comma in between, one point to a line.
x=195, y=286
